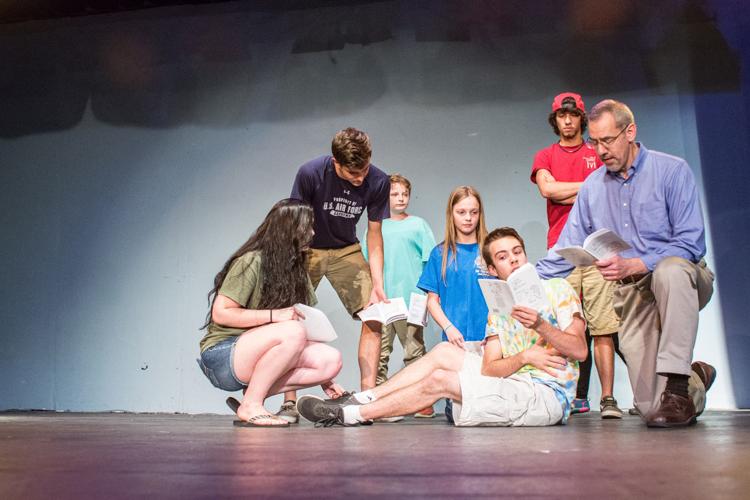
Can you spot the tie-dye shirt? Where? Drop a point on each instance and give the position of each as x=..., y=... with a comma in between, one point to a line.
x=514, y=338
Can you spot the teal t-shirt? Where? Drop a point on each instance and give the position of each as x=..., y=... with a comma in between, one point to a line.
x=406, y=247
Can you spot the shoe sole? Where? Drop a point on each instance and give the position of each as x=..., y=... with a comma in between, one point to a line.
x=417, y=415
x=291, y=420
x=388, y=420
x=658, y=425
x=233, y=404
x=611, y=415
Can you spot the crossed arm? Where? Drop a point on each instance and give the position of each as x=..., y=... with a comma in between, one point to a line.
x=570, y=342
x=563, y=193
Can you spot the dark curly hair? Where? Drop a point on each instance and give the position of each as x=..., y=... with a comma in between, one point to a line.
x=282, y=240
x=566, y=107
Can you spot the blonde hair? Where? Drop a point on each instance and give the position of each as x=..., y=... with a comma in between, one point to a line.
x=400, y=179
x=458, y=194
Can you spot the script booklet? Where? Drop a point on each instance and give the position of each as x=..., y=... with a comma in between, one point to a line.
x=523, y=287
x=417, y=309
x=385, y=313
x=317, y=324
x=601, y=244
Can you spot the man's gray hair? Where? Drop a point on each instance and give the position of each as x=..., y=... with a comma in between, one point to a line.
x=621, y=112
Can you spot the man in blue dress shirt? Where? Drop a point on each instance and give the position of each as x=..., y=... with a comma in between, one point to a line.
x=651, y=201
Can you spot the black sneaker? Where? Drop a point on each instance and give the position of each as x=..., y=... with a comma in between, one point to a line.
x=324, y=413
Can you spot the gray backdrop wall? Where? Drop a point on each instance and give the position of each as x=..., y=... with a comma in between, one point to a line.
x=140, y=150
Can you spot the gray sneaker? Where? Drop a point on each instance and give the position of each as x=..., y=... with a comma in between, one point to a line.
x=324, y=413
x=609, y=409
x=288, y=412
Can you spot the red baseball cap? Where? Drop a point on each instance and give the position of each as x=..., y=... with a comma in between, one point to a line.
x=558, y=102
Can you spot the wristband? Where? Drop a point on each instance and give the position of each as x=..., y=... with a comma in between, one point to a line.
x=445, y=330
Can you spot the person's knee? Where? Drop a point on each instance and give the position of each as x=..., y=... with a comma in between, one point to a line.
x=670, y=269
x=294, y=334
x=332, y=363
x=438, y=382
x=440, y=349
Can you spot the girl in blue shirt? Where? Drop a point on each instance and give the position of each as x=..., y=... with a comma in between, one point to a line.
x=450, y=277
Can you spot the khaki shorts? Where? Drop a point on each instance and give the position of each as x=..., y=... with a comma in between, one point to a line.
x=348, y=273
x=512, y=401
x=597, y=300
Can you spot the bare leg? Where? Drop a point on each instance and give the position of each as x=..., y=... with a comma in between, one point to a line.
x=290, y=395
x=318, y=364
x=439, y=384
x=443, y=356
x=264, y=354
x=604, y=357
x=369, y=354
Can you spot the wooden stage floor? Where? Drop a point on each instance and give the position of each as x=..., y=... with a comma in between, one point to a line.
x=105, y=455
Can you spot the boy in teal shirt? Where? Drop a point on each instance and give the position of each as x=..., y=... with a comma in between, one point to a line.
x=408, y=241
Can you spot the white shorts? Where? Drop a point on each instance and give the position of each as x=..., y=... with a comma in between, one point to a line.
x=512, y=401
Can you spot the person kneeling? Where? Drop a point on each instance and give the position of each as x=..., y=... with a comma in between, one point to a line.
x=526, y=377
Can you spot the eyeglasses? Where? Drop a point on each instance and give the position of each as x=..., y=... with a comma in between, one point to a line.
x=605, y=141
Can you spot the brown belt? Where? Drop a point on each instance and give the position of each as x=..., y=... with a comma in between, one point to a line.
x=634, y=278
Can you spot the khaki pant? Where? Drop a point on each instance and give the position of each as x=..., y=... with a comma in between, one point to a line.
x=348, y=273
x=659, y=324
x=597, y=295
x=412, y=340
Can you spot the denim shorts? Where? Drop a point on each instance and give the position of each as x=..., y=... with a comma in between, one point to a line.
x=216, y=363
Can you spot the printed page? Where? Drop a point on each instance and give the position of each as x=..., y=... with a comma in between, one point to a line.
x=576, y=256
x=394, y=310
x=417, y=309
x=527, y=288
x=317, y=324
x=497, y=294
x=604, y=243
x=372, y=313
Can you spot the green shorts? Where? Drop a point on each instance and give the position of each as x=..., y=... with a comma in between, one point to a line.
x=348, y=273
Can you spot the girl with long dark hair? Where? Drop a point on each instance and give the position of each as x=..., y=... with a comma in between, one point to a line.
x=254, y=340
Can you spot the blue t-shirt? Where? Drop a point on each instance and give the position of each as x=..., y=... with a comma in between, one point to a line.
x=460, y=295
x=337, y=203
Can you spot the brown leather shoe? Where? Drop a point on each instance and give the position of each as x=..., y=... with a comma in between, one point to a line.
x=674, y=411
x=706, y=372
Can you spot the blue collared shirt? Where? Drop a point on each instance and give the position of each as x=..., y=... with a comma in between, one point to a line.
x=656, y=210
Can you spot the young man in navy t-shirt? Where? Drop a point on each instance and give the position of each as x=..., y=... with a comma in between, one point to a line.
x=339, y=188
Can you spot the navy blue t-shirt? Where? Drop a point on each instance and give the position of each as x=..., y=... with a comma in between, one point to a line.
x=337, y=203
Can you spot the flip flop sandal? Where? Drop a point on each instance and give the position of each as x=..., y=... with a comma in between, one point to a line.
x=251, y=422
x=233, y=404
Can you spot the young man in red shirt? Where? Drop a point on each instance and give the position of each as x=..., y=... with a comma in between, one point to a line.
x=559, y=171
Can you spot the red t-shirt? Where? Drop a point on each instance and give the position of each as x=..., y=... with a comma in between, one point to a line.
x=566, y=165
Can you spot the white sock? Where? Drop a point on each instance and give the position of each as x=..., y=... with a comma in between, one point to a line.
x=352, y=414
x=365, y=397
